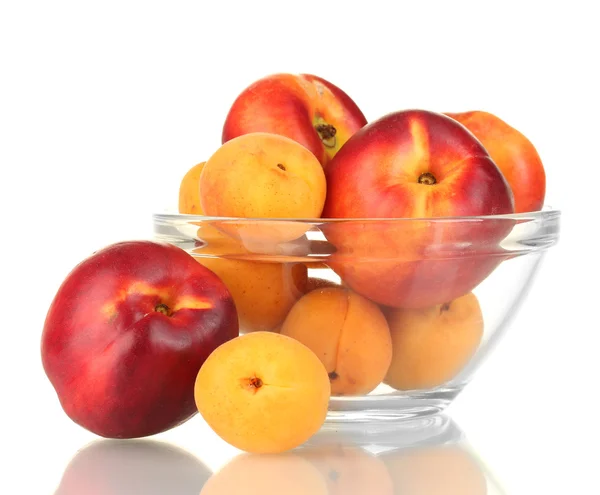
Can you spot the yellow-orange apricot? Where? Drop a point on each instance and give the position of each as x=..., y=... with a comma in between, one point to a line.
x=348, y=333
x=431, y=346
x=189, y=191
x=263, y=392
x=267, y=176
x=263, y=292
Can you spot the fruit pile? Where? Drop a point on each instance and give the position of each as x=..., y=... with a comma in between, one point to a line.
x=142, y=335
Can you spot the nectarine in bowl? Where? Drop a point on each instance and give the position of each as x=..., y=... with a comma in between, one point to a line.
x=401, y=311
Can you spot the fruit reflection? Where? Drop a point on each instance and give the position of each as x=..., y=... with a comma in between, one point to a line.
x=273, y=474
x=436, y=470
x=413, y=457
x=350, y=470
x=131, y=467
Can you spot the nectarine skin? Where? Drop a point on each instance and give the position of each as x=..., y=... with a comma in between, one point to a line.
x=304, y=107
x=513, y=153
x=385, y=171
x=416, y=165
x=126, y=334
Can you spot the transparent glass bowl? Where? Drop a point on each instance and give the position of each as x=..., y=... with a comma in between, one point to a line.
x=415, y=271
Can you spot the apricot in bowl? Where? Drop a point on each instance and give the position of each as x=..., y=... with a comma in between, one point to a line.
x=383, y=361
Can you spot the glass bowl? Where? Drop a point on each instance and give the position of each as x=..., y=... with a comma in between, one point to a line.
x=401, y=311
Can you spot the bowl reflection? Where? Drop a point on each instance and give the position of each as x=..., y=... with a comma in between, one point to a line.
x=428, y=456
x=132, y=467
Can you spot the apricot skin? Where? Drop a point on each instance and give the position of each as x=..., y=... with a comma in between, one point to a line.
x=263, y=392
x=431, y=346
x=263, y=292
x=189, y=191
x=348, y=333
x=262, y=175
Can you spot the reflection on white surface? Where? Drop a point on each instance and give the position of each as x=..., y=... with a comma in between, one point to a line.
x=133, y=467
x=428, y=456
x=420, y=457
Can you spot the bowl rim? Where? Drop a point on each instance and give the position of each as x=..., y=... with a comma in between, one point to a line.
x=546, y=213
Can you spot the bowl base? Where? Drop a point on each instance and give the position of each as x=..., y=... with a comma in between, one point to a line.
x=390, y=407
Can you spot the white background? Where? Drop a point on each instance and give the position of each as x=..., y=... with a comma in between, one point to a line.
x=104, y=106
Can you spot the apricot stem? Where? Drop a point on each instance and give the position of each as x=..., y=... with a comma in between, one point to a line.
x=163, y=308
x=444, y=307
x=327, y=134
x=256, y=382
x=427, y=178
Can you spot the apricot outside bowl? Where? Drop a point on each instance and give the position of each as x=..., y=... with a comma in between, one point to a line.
x=448, y=288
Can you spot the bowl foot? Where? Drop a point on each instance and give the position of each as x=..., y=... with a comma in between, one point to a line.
x=390, y=407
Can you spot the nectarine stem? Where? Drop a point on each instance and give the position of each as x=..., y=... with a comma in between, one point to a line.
x=327, y=134
x=163, y=308
x=427, y=178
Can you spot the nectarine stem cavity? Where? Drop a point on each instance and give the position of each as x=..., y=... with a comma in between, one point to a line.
x=327, y=134
x=163, y=308
x=427, y=178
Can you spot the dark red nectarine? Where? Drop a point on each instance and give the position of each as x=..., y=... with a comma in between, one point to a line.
x=417, y=166
x=302, y=107
x=128, y=331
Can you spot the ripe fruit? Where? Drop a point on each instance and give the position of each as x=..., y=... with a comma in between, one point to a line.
x=348, y=333
x=263, y=392
x=305, y=108
x=414, y=164
x=263, y=292
x=126, y=334
x=431, y=346
x=263, y=176
x=251, y=474
x=189, y=191
x=513, y=153
x=112, y=467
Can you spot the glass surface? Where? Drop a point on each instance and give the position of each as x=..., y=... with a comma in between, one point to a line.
x=420, y=274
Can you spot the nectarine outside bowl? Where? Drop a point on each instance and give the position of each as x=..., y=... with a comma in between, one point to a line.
x=401, y=312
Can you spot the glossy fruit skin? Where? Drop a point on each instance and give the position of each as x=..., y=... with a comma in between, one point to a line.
x=293, y=105
x=122, y=368
x=189, y=191
x=514, y=154
x=416, y=263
